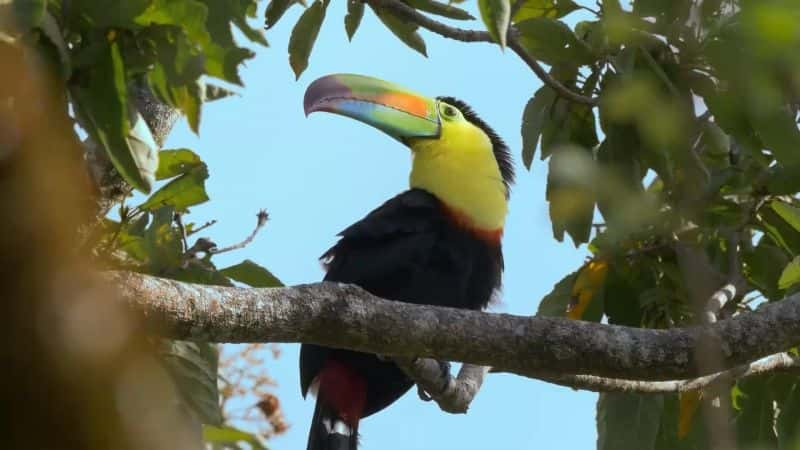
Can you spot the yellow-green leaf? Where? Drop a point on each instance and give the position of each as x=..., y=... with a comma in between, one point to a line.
x=790, y=275
x=544, y=8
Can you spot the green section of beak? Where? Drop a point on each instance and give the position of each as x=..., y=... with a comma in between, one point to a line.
x=396, y=111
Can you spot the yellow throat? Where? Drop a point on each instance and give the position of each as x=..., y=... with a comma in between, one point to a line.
x=460, y=169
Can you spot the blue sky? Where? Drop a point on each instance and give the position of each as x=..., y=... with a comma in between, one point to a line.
x=317, y=175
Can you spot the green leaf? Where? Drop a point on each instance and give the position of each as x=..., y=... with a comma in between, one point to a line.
x=496, y=15
x=533, y=118
x=779, y=230
x=556, y=302
x=251, y=274
x=571, y=199
x=193, y=367
x=404, y=30
x=304, y=34
x=190, y=15
x=189, y=99
x=755, y=422
x=788, y=423
x=552, y=42
x=783, y=180
x=214, y=92
x=788, y=213
x=162, y=248
x=780, y=134
x=99, y=15
x=763, y=265
x=628, y=421
x=355, y=12
x=102, y=99
x=227, y=435
x=553, y=9
x=440, y=9
x=275, y=11
x=790, y=275
x=176, y=162
x=187, y=190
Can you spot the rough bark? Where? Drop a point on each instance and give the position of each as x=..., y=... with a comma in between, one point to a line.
x=348, y=317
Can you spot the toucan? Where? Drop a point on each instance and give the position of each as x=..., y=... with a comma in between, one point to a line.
x=437, y=243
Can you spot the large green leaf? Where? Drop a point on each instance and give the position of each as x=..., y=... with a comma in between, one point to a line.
x=788, y=423
x=552, y=42
x=789, y=213
x=404, y=30
x=193, y=367
x=102, y=100
x=440, y=9
x=304, y=34
x=251, y=274
x=628, y=421
x=533, y=118
x=187, y=190
x=553, y=9
x=355, y=12
x=496, y=15
x=226, y=435
x=755, y=423
x=176, y=162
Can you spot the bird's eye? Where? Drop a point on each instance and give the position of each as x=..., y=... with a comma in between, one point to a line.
x=449, y=112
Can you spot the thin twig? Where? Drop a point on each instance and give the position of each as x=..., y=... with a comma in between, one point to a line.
x=202, y=227
x=262, y=218
x=772, y=363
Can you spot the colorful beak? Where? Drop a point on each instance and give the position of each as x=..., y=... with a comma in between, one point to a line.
x=396, y=111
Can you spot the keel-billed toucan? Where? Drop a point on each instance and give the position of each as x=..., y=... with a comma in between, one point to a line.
x=437, y=243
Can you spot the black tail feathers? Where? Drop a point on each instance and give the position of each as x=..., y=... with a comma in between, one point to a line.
x=330, y=432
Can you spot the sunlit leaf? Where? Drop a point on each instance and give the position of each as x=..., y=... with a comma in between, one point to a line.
x=251, y=274
x=789, y=213
x=228, y=435
x=588, y=287
x=553, y=9
x=187, y=190
x=304, y=34
x=496, y=15
x=790, y=275
x=176, y=162
x=103, y=102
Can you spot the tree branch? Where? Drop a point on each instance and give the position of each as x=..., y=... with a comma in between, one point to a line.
x=345, y=316
x=410, y=14
x=772, y=363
